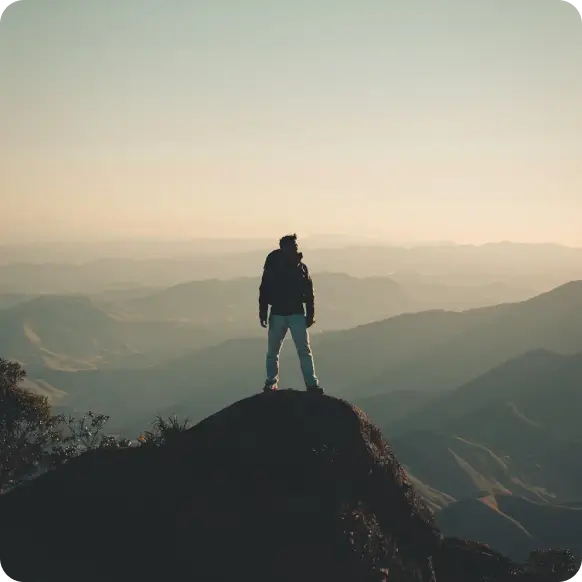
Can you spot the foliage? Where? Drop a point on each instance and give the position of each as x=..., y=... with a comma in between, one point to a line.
x=555, y=564
x=27, y=428
x=83, y=434
x=164, y=431
x=32, y=439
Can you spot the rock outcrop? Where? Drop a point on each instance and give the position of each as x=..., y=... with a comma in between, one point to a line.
x=277, y=487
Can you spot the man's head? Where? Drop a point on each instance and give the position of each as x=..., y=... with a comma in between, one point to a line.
x=288, y=244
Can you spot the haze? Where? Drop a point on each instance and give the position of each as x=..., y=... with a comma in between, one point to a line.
x=456, y=120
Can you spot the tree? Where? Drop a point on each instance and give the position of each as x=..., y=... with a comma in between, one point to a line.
x=32, y=439
x=27, y=428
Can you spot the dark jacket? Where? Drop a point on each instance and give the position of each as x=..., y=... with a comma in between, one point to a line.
x=286, y=285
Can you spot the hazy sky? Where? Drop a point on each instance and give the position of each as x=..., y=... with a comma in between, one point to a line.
x=415, y=119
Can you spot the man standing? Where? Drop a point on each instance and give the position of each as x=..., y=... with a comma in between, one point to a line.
x=286, y=285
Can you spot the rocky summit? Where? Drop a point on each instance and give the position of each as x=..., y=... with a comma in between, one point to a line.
x=276, y=487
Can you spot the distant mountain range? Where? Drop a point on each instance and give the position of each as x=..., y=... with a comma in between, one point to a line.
x=534, y=267
x=142, y=326
x=430, y=353
x=342, y=300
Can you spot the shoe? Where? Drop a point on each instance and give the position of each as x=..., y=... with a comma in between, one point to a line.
x=270, y=387
x=315, y=389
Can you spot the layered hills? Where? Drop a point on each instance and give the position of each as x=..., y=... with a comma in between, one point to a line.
x=73, y=333
x=502, y=453
x=428, y=353
x=533, y=267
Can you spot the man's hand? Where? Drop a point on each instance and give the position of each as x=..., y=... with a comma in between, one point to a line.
x=263, y=318
x=309, y=320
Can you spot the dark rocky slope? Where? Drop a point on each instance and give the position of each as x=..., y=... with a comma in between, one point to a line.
x=277, y=487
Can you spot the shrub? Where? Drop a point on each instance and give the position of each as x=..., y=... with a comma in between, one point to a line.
x=164, y=431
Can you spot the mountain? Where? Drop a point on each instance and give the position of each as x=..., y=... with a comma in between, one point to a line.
x=513, y=524
x=533, y=267
x=525, y=412
x=59, y=332
x=122, y=296
x=497, y=384
x=432, y=293
x=195, y=385
x=72, y=333
x=500, y=459
x=137, y=326
x=459, y=467
x=430, y=353
x=482, y=339
x=204, y=381
x=481, y=519
x=342, y=301
x=539, y=391
x=452, y=465
x=282, y=486
x=279, y=487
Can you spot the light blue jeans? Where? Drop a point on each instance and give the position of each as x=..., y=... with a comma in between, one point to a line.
x=279, y=325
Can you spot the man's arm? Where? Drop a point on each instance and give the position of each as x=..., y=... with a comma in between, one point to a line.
x=264, y=293
x=309, y=297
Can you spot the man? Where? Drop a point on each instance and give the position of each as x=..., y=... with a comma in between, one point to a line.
x=286, y=285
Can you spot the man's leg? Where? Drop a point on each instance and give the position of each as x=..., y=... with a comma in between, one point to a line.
x=277, y=331
x=300, y=335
